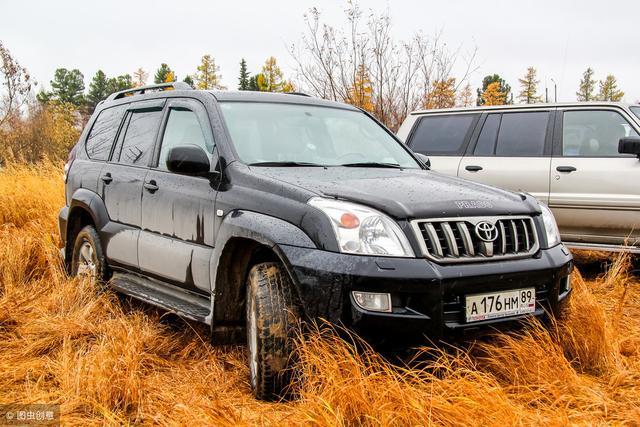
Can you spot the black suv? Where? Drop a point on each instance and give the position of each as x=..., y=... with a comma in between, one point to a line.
x=250, y=211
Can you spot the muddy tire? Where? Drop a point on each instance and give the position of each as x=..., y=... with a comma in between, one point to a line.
x=272, y=320
x=87, y=258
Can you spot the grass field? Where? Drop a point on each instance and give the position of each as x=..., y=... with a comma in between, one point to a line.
x=113, y=362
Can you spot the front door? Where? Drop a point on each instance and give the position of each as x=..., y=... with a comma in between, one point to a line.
x=595, y=191
x=178, y=211
x=121, y=180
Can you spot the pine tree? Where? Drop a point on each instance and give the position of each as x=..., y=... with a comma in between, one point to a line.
x=243, y=80
x=164, y=74
x=587, y=86
x=609, y=90
x=465, y=97
x=189, y=80
x=140, y=77
x=253, y=83
x=494, y=95
x=503, y=88
x=529, y=84
x=443, y=94
x=361, y=93
x=116, y=84
x=207, y=76
x=98, y=90
x=67, y=86
x=272, y=79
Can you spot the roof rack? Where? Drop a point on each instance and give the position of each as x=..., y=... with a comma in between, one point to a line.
x=297, y=93
x=154, y=88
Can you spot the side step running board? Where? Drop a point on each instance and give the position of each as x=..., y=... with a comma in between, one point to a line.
x=182, y=303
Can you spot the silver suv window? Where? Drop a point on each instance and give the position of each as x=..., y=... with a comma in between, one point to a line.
x=593, y=133
x=513, y=134
x=636, y=111
x=522, y=134
x=442, y=135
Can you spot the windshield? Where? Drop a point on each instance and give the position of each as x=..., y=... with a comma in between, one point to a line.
x=305, y=135
x=636, y=111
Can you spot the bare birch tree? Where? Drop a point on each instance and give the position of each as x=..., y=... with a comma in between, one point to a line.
x=402, y=74
x=16, y=86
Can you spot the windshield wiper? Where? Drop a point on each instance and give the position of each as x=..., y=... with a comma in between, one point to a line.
x=286, y=164
x=372, y=165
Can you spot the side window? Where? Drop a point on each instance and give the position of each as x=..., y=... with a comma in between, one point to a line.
x=441, y=134
x=593, y=133
x=522, y=134
x=137, y=145
x=103, y=133
x=183, y=128
x=487, y=140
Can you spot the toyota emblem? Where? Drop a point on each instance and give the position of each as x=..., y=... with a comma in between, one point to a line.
x=486, y=231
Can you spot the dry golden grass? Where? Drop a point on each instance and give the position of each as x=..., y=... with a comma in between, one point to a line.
x=108, y=361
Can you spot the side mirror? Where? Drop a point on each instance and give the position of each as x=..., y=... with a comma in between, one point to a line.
x=629, y=146
x=188, y=160
x=424, y=159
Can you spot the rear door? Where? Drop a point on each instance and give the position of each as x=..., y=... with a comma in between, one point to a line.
x=121, y=181
x=512, y=151
x=444, y=138
x=595, y=191
x=178, y=212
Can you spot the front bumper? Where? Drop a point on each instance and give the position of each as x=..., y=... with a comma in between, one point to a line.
x=428, y=298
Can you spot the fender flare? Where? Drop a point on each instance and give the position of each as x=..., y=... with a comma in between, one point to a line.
x=260, y=228
x=90, y=202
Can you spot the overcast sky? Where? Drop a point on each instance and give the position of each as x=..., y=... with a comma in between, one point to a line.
x=560, y=38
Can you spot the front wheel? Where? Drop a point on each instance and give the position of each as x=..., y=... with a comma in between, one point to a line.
x=272, y=320
x=88, y=258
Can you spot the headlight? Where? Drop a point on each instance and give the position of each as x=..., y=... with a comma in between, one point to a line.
x=550, y=226
x=362, y=230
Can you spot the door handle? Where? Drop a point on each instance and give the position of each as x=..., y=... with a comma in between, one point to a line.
x=151, y=186
x=566, y=169
x=473, y=168
x=106, y=178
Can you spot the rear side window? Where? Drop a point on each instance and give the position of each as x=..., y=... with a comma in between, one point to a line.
x=522, y=134
x=137, y=146
x=487, y=139
x=103, y=133
x=442, y=134
x=636, y=111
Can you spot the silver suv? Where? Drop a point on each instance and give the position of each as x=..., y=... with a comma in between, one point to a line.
x=581, y=159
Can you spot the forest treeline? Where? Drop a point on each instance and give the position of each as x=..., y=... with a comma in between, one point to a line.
x=360, y=62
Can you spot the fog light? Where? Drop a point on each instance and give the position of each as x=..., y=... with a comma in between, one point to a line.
x=565, y=285
x=373, y=301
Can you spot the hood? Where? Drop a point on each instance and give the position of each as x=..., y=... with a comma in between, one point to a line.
x=405, y=194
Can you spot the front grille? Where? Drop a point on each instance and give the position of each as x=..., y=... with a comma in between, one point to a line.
x=449, y=240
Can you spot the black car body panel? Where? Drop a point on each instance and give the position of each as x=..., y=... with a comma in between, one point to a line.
x=408, y=193
x=428, y=298
x=200, y=234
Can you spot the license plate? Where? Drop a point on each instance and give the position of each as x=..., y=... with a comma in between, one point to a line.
x=500, y=304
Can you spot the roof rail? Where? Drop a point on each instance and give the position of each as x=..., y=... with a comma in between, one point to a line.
x=297, y=93
x=142, y=89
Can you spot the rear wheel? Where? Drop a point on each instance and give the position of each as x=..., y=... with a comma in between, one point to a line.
x=88, y=258
x=272, y=320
